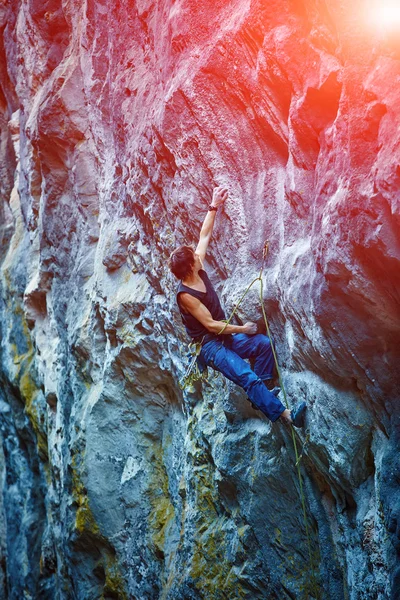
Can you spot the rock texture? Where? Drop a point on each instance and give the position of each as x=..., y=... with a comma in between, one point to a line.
x=116, y=120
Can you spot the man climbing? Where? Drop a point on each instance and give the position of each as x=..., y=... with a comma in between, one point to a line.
x=224, y=347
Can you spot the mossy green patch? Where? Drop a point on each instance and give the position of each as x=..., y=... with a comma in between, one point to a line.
x=23, y=356
x=86, y=525
x=33, y=398
x=84, y=520
x=114, y=585
x=162, y=510
x=211, y=569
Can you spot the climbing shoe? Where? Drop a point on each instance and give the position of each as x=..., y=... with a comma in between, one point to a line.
x=298, y=415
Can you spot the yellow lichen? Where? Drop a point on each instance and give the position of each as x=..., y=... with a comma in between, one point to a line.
x=114, y=583
x=84, y=520
x=161, y=515
x=24, y=375
x=85, y=523
x=210, y=568
x=33, y=397
x=162, y=510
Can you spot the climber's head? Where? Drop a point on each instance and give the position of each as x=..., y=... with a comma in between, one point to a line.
x=183, y=261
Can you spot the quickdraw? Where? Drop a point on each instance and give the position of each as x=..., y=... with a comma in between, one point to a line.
x=192, y=372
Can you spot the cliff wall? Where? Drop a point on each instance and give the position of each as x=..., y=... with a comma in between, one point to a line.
x=117, y=118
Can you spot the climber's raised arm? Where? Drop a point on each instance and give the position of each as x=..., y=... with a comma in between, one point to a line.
x=219, y=196
x=219, y=344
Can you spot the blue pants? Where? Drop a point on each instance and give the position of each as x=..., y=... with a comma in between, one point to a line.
x=227, y=353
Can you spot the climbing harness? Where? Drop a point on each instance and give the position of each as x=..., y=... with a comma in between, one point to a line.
x=193, y=373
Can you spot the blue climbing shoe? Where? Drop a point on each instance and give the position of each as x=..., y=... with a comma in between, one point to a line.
x=298, y=415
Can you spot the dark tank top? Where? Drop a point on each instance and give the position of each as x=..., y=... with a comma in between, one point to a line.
x=209, y=298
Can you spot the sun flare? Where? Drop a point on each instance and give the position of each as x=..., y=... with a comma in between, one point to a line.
x=385, y=14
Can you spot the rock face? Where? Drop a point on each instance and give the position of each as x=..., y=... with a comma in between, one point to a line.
x=117, y=119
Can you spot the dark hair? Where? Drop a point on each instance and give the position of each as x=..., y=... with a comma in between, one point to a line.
x=181, y=261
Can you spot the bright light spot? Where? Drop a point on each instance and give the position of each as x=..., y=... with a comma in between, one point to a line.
x=385, y=15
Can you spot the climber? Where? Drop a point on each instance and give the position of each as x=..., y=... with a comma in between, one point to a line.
x=224, y=347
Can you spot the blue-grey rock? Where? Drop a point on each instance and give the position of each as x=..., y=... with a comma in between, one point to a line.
x=116, y=122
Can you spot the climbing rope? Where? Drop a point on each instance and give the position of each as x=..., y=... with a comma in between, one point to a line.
x=298, y=456
x=193, y=374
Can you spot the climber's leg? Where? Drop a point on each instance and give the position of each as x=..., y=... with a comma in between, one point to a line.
x=258, y=347
x=230, y=364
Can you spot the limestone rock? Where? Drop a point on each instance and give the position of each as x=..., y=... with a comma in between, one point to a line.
x=116, y=122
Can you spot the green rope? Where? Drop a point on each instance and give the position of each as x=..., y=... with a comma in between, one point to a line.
x=237, y=305
x=297, y=455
